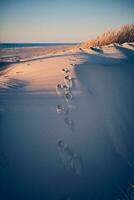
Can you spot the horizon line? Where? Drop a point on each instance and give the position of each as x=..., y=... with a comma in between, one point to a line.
x=39, y=42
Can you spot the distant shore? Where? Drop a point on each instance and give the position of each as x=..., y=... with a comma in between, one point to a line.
x=15, y=55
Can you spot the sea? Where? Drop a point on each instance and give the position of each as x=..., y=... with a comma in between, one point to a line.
x=22, y=45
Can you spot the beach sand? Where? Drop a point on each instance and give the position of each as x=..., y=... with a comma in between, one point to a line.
x=82, y=149
x=27, y=53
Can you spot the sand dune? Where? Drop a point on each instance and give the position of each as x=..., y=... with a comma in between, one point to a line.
x=82, y=135
x=43, y=74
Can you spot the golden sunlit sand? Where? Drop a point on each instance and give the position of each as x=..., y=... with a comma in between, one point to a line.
x=70, y=109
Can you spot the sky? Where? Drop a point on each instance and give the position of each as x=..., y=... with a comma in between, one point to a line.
x=61, y=20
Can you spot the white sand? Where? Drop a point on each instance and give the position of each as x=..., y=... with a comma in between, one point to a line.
x=43, y=74
x=98, y=127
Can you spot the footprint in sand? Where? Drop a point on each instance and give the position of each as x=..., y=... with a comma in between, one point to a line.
x=60, y=109
x=68, y=96
x=62, y=89
x=71, y=160
x=65, y=70
x=68, y=81
x=66, y=113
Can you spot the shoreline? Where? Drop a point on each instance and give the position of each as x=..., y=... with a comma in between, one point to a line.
x=32, y=45
x=9, y=56
x=9, y=52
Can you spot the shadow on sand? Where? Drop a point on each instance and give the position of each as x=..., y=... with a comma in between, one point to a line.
x=109, y=83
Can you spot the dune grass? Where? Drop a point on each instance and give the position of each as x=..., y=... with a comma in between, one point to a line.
x=120, y=35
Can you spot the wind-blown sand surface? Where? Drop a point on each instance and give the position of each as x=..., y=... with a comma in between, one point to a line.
x=85, y=151
x=27, y=53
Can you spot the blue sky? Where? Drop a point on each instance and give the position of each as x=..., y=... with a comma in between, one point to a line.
x=61, y=20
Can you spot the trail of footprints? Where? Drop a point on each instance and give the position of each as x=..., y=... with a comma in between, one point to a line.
x=65, y=90
x=71, y=160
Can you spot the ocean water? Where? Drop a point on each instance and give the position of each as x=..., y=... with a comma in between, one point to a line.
x=22, y=45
